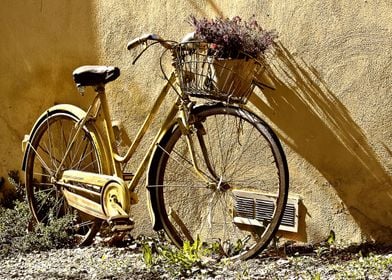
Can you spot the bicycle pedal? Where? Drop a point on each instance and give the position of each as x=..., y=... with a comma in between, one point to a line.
x=124, y=219
x=119, y=228
x=121, y=223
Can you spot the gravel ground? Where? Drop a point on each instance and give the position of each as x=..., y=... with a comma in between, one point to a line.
x=97, y=262
x=327, y=260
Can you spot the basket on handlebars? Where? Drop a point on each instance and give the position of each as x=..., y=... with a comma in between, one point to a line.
x=202, y=74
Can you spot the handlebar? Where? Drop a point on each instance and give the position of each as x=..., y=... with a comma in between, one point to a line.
x=157, y=39
x=144, y=38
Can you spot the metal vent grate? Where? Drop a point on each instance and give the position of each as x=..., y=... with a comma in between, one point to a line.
x=257, y=209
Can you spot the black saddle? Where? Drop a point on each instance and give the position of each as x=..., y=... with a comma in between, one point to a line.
x=95, y=75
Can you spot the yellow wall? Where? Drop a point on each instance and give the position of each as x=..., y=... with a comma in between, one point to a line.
x=41, y=43
x=331, y=107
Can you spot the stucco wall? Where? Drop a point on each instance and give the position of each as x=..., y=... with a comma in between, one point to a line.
x=331, y=105
x=41, y=43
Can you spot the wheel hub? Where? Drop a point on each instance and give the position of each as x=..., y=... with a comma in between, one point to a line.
x=223, y=186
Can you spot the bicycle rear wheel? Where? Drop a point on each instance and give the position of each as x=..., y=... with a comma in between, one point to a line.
x=48, y=145
x=236, y=205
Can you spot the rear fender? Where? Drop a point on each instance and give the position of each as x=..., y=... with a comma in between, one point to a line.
x=66, y=108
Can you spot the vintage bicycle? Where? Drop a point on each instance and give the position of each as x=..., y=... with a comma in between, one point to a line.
x=215, y=171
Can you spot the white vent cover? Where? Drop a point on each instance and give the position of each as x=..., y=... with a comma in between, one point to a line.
x=257, y=208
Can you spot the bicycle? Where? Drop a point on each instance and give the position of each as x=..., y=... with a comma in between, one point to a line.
x=211, y=167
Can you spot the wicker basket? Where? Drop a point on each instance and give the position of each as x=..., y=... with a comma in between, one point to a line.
x=202, y=75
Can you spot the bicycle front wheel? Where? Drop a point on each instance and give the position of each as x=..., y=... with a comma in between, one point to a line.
x=54, y=136
x=236, y=201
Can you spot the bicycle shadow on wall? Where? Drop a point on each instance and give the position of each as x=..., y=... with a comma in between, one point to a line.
x=317, y=126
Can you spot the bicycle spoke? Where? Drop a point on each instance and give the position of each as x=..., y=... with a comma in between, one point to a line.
x=43, y=201
x=55, y=147
x=177, y=186
x=186, y=165
x=84, y=223
x=49, y=150
x=199, y=198
x=84, y=156
x=235, y=148
x=43, y=163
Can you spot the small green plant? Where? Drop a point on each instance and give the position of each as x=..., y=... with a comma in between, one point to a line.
x=147, y=254
x=10, y=195
x=18, y=233
x=192, y=251
x=191, y=260
x=316, y=276
x=15, y=238
x=243, y=272
x=331, y=238
x=326, y=246
x=185, y=259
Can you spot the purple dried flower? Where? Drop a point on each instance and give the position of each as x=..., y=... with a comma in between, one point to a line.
x=233, y=37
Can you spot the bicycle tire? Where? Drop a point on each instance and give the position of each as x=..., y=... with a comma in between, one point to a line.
x=48, y=143
x=240, y=146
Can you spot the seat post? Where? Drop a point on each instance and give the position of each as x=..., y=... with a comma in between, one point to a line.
x=100, y=88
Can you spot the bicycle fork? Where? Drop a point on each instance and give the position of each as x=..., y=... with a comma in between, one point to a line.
x=186, y=129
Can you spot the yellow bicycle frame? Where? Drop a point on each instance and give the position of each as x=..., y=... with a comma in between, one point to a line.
x=98, y=118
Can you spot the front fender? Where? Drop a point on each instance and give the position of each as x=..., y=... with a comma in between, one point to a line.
x=66, y=108
x=152, y=195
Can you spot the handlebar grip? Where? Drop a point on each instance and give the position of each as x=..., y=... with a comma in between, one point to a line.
x=140, y=40
x=144, y=38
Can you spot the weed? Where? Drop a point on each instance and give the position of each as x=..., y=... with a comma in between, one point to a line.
x=331, y=238
x=147, y=254
x=316, y=276
x=16, y=193
x=191, y=260
x=326, y=246
x=15, y=219
x=14, y=237
x=243, y=272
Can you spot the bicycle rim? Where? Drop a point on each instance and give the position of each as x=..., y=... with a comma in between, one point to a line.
x=237, y=210
x=47, y=149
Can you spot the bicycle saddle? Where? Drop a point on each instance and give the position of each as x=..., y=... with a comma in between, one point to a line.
x=94, y=75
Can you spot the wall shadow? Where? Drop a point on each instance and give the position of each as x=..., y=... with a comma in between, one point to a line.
x=210, y=4
x=317, y=126
x=42, y=43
